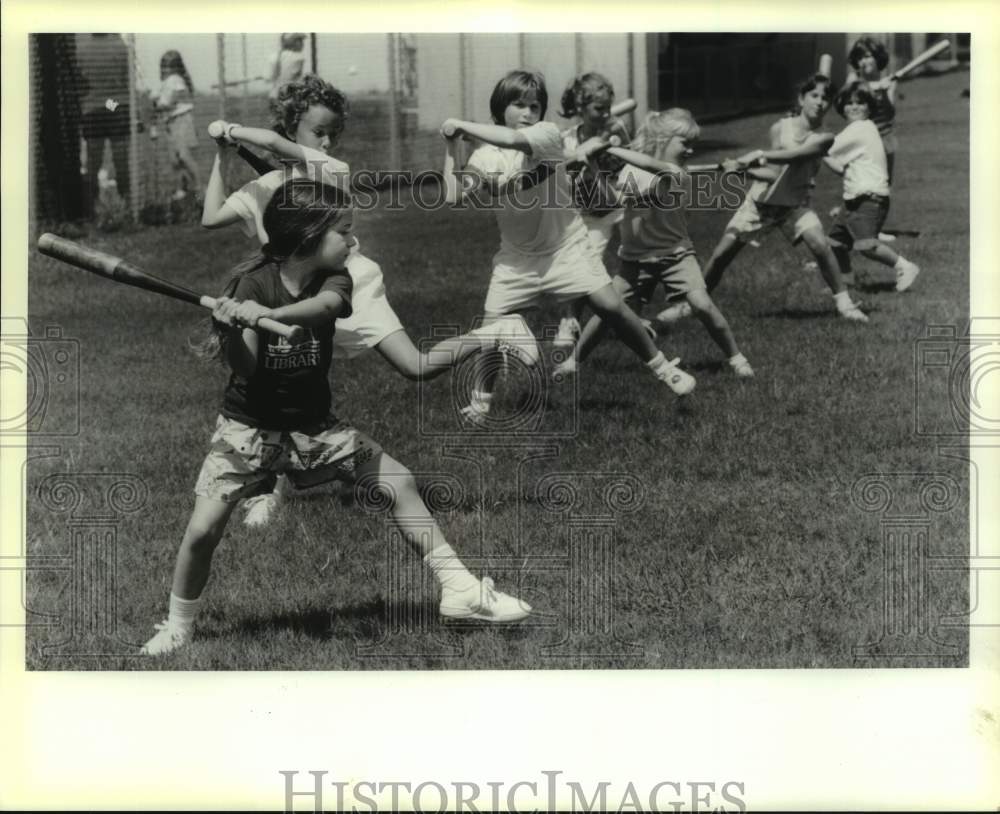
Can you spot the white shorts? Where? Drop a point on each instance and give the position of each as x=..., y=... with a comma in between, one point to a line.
x=372, y=319
x=520, y=280
x=599, y=229
x=754, y=219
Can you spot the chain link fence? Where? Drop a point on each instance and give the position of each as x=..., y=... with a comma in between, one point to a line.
x=101, y=150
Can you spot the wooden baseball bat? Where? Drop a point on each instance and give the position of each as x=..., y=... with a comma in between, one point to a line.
x=217, y=130
x=623, y=107
x=114, y=268
x=927, y=55
x=825, y=66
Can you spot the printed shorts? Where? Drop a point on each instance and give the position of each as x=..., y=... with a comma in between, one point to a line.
x=678, y=276
x=520, y=280
x=244, y=461
x=859, y=221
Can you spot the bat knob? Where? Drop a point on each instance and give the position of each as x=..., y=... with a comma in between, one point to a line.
x=615, y=141
x=217, y=129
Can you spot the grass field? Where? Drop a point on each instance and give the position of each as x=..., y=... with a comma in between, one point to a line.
x=747, y=549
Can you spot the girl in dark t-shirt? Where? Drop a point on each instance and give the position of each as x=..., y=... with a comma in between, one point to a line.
x=276, y=410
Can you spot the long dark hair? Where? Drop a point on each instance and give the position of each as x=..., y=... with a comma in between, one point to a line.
x=172, y=62
x=299, y=214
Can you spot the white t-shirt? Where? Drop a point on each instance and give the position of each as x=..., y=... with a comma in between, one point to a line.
x=541, y=219
x=373, y=318
x=250, y=200
x=858, y=147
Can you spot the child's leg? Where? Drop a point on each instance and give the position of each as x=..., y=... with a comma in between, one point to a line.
x=189, y=170
x=906, y=272
x=718, y=328
x=194, y=560
x=607, y=304
x=713, y=320
x=595, y=330
x=462, y=595
x=816, y=241
x=723, y=254
x=201, y=537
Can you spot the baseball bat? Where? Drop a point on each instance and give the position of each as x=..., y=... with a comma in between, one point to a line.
x=927, y=55
x=114, y=268
x=825, y=66
x=903, y=232
x=623, y=107
x=217, y=130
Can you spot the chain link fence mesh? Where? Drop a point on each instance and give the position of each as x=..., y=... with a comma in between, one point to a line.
x=100, y=152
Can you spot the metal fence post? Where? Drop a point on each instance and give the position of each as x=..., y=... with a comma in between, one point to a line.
x=133, y=131
x=220, y=40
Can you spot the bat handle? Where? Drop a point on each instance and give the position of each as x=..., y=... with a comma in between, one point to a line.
x=293, y=333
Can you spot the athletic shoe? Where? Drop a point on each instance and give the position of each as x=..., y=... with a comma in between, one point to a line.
x=742, y=369
x=569, y=332
x=483, y=602
x=885, y=237
x=906, y=275
x=854, y=314
x=167, y=639
x=262, y=509
x=511, y=336
x=674, y=313
x=676, y=379
x=474, y=416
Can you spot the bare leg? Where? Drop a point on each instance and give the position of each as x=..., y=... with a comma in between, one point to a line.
x=194, y=558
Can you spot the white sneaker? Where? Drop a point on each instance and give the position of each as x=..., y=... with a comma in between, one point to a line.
x=674, y=313
x=511, y=336
x=167, y=639
x=483, y=602
x=262, y=509
x=742, y=369
x=676, y=379
x=906, y=275
x=854, y=314
x=474, y=416
x=569, y=332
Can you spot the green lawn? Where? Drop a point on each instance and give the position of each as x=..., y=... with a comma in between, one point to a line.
x=739, y=546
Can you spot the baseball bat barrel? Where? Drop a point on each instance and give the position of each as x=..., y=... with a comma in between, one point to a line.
x=704, y=167
x=920, y=59
x=260, y=165
x=826, y=66
x=115, y=268
x=623, y=107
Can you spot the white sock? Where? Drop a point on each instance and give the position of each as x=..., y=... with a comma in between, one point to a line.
x=658, y=363
x=843, y=301
x=481, y=401
x=183, y=611
x=738, y=359
x=451, y=573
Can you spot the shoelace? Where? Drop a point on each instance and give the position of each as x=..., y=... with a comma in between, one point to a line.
x=489, y=594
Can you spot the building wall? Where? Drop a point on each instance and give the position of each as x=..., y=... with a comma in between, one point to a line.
x=457, y=72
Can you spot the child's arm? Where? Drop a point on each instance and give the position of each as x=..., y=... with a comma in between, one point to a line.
x=641, y=160
x=457, y=185
x=270, y=141
x=215, y=214
x=499, y=136
x=834, y=164
x=240, y=342
x=814, y=147
x=314, y=312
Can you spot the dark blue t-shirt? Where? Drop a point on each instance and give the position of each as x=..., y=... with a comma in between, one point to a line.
x=290, y=388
